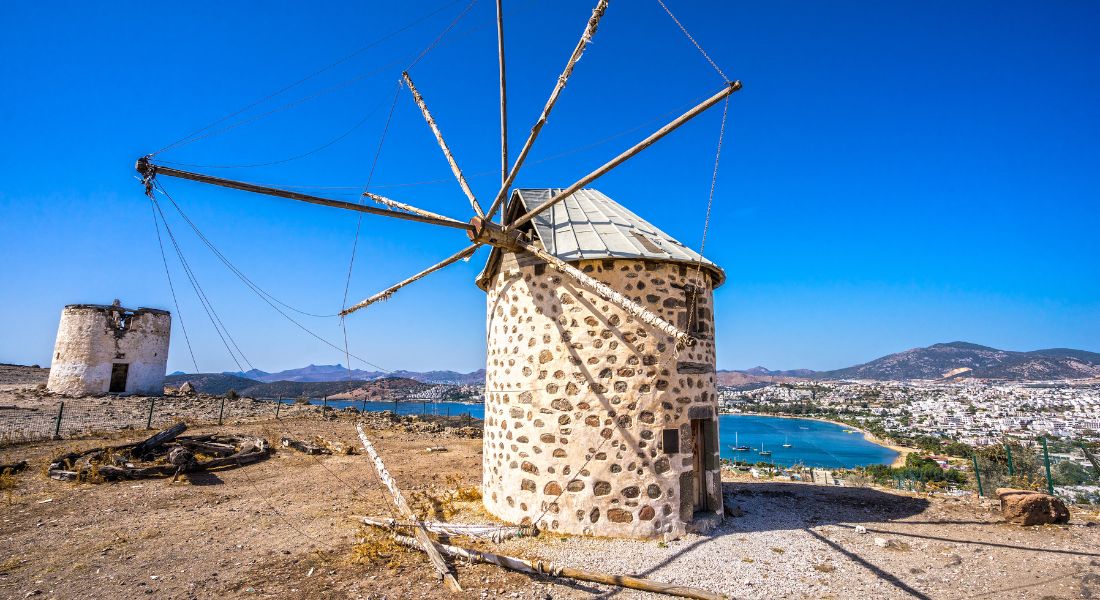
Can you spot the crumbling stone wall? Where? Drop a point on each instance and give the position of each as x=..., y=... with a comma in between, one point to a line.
x=581, y=400
x=91, y=338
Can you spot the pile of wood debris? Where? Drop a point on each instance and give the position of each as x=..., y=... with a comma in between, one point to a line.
x=165, y=454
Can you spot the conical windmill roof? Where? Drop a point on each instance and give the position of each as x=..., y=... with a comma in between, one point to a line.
x=588, y=225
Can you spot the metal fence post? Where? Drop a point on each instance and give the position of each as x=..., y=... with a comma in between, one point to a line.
x=977, y=474
x=221, y=412
x=364, y=408
x=149, y=421
x=1008, y=452
x=1046, y=463
x=324, y=403
x=278, y=405
x=57, y=426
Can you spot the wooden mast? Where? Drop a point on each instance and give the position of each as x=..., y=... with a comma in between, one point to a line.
x=443, y=145
x=503, y=97
x=148, y=171
x=586, y=37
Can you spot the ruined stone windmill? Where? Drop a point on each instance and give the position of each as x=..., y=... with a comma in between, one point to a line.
x=600, y=402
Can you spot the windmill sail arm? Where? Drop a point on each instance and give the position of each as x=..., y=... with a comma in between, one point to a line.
x=443, y=145
x=394, y=204
x=608, y=293
x=149, y=171
x=627, y=154
x=586, y=37
x=386, y=293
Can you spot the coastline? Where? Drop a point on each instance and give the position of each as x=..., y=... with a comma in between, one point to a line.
x=903, y=451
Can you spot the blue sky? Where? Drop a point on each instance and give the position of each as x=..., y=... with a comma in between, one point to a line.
x=894, y=175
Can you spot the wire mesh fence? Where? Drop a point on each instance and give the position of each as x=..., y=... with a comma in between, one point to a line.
x=1071, y=472
x=79, y=417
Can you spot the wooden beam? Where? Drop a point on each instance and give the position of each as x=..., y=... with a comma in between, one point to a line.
x=503, y=96
x=496, y=533
x=621, y=158
x=149, y=170
x=548, y=568
x=386, y=293
x=407, y=207
x=443, y=145
x=426, y=544
x=586, y=37
x=608, y=293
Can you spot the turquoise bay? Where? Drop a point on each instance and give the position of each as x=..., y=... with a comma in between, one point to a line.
x=813, y=443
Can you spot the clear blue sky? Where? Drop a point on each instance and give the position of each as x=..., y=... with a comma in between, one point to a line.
x=895, y=173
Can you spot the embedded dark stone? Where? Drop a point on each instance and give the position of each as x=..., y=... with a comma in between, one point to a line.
x=559, y=453
x=647, y=513
x=575, y=486
x=594, y=515
x=646, y=417
x=561, y=404
x=547, y=438
x=618, y=515
x=631, y=492
x=529, y=468
x=661, y=465
x=527, y=485
x=552, y=489
x=601, y=488
x=653, y=491
x=592, y=421
x=545, y=356
x=605, y=433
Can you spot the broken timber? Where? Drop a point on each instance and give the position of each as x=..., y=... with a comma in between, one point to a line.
x=304, y=447
x=422, y=539
x=496, y=533
x=549, y=568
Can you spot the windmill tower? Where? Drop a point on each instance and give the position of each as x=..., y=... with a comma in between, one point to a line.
x=600, y=393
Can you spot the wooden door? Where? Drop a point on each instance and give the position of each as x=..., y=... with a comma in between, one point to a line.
x=698, y=447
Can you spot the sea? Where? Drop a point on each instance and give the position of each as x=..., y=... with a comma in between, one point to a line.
x=812, y=443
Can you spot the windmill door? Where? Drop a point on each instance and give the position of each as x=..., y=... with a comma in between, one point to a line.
x=119, y=373
x=698, y=448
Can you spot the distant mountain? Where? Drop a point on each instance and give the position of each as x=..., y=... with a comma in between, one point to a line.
x=758, y=376
x=339, y=372
x=210, y=383
x=963, y=359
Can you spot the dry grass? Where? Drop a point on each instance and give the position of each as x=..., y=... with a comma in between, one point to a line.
x=8, y=484
x=377, y=547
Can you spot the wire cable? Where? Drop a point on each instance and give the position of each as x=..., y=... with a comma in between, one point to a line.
x=171, y=288
x=286, y=88
x=695, y=43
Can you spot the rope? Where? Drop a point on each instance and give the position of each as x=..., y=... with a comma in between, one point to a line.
x=359, y=224
x=171, y=288
x=271, y=304
x=714, y=175
x=285, y=160
x=207, y=306
x=439, y=38
x=692, y=39
x=185, y=139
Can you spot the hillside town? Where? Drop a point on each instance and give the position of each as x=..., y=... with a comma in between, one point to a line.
x=970, y=411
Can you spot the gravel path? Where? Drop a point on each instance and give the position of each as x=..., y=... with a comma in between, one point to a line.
x=801, y=541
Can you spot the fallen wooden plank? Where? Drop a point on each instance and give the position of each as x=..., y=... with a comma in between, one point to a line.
x=496, y=533
x=549, y=568
x=15, y=467
x=430, y=548
x=159, y=438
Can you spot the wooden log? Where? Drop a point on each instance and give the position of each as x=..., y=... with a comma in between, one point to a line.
x=386, y=293
x=422, y=539
x=158, y=439
x=586, y=37
x=497, y=533
x=554, y=570
x=147, y=169
x=12, y=468
x=443, y=145
x=608, y=293
x=304, y=447
x=621, y=158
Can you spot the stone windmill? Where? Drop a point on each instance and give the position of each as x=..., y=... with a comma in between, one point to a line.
x=601, y=407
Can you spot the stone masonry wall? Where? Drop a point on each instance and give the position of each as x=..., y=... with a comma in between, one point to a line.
x=581, y=399
x=90, y=339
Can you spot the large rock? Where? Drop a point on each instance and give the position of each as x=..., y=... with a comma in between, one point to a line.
x=187, y=389
x=1028, y=507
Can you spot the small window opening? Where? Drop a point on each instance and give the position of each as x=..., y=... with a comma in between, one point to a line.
x=670, y=441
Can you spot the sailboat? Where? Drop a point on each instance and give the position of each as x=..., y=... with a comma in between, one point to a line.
x=787, y=442
x=764, y=452
x=737, y=446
